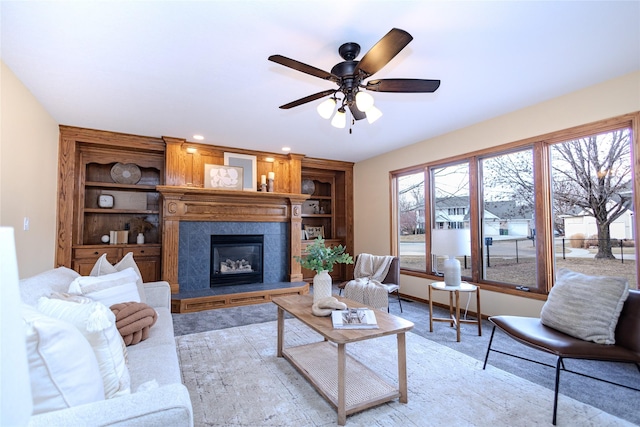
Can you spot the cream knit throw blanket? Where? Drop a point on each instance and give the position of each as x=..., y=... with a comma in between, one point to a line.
x=369, y=272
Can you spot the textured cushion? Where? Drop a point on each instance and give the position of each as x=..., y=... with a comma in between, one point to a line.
x=133, y=320
x=103, y=266
x=585, y=307
x=108, y=289
x=62, y=367
x=97, y=325
x=43, y=284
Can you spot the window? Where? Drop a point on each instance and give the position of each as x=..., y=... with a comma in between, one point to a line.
x=507, y=227
x=593, y=204
x=411, y=220
x=563, y=199
x=450, y=201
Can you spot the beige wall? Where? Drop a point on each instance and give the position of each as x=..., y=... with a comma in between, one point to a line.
x=372, y=209
x=28, y=174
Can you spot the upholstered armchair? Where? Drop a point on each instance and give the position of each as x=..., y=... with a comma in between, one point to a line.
x=391, y=281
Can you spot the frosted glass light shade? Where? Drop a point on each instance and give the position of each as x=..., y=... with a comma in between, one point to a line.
x=326, y=107
x=451, y=242
x=373, y=114
x=364, y=101
x=16, y=402
x=339, y=120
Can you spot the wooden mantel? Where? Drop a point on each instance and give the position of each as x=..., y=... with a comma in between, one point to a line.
x=185, y=203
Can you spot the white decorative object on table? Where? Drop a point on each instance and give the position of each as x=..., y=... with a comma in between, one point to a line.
x=140, y=239
x=452, y=243
x=321, y=285
x=321, y=259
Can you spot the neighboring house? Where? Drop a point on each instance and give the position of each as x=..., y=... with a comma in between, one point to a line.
x=507, y=218
x=621, y=228
x=452, y=212
x=503, y=218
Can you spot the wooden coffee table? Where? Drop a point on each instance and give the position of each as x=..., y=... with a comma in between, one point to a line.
x=317, y=362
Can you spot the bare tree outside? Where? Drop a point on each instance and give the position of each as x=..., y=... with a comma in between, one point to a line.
x=508, y=201
x=594, y=175
x=411, y=203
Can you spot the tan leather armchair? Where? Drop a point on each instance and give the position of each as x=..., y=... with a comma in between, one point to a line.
x=531, y=332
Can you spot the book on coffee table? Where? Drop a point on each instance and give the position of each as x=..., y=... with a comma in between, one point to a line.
x=354, y=318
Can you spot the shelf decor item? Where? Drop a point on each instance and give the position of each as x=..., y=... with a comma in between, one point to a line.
x=139, y=226
x=125, y=173
x=314, y=232
x=223, y=177
x=308, y=186
x=248, y=163
x=321, y=259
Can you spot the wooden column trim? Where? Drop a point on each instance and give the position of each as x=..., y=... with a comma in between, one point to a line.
x=174, y=161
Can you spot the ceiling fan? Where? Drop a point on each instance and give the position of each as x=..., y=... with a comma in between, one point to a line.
x=350, y=74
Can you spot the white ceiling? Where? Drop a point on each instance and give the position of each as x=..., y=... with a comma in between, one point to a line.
x=179, y=68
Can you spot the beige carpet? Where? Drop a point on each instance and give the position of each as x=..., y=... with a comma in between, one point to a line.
x=235, y=379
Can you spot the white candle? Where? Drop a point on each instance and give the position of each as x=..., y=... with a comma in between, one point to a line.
x=263, y=179
x=272, y=175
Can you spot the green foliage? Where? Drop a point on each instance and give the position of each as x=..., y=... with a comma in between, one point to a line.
x=320, y=257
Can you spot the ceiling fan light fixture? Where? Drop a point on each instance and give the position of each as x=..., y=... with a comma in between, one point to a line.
x=326, y=108
x=364, y=101
x=340, y=119
x=373, y=114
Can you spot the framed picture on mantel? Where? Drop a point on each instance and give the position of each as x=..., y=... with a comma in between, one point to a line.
x=249, y=165
x=223, y=177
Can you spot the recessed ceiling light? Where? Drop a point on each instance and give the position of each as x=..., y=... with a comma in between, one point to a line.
x=286, y=149
x=198, y=137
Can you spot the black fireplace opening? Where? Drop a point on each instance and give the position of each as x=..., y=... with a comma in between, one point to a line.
x=236, y=259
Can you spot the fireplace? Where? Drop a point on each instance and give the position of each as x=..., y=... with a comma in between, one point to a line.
x=236, y=259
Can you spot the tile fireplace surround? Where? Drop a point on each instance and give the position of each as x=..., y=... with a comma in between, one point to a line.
x=190, y=215
x=194, y=250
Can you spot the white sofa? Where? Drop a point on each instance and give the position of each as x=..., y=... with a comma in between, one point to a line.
x=152, y=363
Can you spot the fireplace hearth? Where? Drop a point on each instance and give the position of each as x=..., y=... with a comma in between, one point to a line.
x=236, y=259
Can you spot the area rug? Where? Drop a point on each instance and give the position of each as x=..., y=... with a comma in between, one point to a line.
x=235, y=379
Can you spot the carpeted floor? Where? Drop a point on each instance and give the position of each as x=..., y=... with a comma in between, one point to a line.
x=614, y=400
x=235, y=379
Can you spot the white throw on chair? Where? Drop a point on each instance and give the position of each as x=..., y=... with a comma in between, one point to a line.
x=375, y=277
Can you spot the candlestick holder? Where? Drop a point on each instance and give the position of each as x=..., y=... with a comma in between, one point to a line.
x=270, y=186
x=263, y=188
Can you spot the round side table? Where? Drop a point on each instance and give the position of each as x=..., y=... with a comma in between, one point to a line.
x=454, y=316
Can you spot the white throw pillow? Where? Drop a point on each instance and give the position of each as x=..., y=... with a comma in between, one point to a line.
x=585, y=307
x=43, y=284
x=109, y=289
x=98, y=325
x=62, y=366
x=103, y=266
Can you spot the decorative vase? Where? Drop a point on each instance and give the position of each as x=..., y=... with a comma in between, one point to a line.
x=321, y=285
x=140, y=239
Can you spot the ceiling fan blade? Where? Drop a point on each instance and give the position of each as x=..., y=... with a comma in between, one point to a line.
x=383, y=51
x=308, y=99
x=299, y=66
x=403, y=85
x=357, y=114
